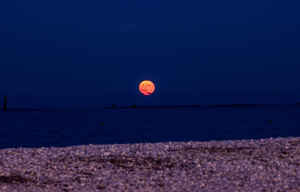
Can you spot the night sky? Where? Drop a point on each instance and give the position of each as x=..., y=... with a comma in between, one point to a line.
x=94, y=53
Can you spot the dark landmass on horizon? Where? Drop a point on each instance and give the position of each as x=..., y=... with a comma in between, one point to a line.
x=199, y=106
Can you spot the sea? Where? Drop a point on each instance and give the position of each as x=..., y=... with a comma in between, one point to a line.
x=60, y=128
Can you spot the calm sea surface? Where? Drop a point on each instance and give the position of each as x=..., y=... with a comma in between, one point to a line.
x=64, y=128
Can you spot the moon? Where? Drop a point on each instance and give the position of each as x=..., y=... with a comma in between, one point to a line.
x=147, y=87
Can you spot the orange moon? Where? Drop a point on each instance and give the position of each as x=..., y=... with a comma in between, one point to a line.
x=146, y=87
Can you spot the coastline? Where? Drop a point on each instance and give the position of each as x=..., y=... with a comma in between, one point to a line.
x=271, y=164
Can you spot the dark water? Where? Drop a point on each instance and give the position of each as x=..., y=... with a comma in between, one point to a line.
x=64, y=128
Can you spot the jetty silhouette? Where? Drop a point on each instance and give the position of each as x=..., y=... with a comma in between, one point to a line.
x=5, y=108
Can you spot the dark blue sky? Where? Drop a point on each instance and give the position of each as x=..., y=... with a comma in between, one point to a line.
x=94, y=53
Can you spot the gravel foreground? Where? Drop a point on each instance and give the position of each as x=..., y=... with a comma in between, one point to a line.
x=241, y=165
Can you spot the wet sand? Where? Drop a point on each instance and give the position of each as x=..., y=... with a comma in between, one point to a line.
x=241, y=165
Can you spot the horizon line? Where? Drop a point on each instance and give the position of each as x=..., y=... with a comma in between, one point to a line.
x=135, y=106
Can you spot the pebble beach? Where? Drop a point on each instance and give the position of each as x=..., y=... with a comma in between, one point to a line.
x=271, y=164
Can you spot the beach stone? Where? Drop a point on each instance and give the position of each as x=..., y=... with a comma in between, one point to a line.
x=270, y=164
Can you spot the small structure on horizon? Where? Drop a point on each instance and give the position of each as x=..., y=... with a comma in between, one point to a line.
x=5, y=103
x=133, y=106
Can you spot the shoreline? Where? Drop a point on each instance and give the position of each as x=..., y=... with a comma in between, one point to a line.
x=270, y=164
